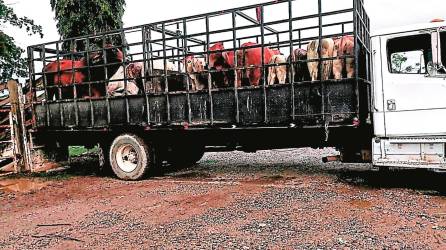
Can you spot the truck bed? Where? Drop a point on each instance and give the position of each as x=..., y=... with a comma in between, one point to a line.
x=310, y=104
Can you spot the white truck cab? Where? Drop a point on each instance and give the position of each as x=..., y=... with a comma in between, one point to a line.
x=409, y=96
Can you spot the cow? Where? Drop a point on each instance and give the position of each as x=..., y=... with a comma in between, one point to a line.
x=106, y=66
x=251, y=59
x=277, y=73
x=326, y=51
x=134, y=73
x=223, y=63
x=194, y=69
x=299, y=66
x=65, y=72
x=344, y=46
x=155, y=81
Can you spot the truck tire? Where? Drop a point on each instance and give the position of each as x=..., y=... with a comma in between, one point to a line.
x=104, y=160
x=182, y=156
x=130, y=157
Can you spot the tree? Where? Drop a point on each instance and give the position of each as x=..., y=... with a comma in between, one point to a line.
x=11, y=62
x=83, y=17
x=398, y=59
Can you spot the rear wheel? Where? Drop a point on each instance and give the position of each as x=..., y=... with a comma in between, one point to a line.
x=130, y=157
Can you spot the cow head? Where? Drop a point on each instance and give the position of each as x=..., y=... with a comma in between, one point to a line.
x=113, y=55
x=188, y=61
x=194, y=65
x=216, y=59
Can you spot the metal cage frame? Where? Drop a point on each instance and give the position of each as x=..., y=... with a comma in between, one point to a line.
x=86, y=113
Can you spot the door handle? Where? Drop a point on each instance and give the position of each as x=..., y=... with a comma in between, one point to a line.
x=391, y=105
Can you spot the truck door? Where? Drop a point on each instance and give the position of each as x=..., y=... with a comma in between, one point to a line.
x=414, y=103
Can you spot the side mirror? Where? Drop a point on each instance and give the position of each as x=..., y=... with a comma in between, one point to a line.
x=434, y=70
x=431, y=69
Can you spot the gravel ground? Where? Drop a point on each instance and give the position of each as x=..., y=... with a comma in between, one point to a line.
x=281, y=199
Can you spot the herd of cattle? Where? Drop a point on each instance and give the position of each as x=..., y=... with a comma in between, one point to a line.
x=97, y=67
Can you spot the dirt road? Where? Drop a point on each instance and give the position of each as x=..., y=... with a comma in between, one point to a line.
x=270, y=200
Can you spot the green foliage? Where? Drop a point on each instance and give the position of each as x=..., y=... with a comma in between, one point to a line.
x=75, y=151
x=83, y=17
x=398, y=59
x=11, y=62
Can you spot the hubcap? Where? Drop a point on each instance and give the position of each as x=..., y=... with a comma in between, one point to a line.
x=127, y=158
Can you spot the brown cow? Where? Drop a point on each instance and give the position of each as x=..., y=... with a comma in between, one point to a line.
x=224, y=63
x=327, y=48
x=344, y=46
x=300, y=67
x=65, y=73
x=251, y=59
x=117, y=85
x=194, y=69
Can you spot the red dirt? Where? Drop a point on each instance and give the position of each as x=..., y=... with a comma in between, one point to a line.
x=285, y=208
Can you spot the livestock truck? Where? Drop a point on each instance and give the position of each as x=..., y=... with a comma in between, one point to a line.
x=389, y=112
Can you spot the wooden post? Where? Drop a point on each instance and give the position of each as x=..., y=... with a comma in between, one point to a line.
x=17, y=127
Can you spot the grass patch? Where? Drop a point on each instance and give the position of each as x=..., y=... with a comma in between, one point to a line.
x=76, y=151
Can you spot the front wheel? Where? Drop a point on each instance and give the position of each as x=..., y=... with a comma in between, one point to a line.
x=130, y=157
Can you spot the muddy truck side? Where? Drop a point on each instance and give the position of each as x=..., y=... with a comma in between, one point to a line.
x=265, y=76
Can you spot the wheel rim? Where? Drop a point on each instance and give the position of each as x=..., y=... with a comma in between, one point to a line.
x=127, y=158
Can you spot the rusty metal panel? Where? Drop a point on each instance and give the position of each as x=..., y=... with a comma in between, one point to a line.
x=158, y=109
x=69, y=114
x=224, y=106
x=251, y=106
x=279, y=104
x=200, y=108
x=40, y=115
x=178, y=108
x=54, y=112
x=84, y=113
x=100, y=113
x=137, y=110
x=118, y=111
x=308, y=101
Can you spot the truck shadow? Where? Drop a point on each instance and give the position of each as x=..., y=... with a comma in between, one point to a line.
x=428, y=182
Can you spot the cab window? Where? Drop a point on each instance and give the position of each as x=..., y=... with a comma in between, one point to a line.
x=408, y=55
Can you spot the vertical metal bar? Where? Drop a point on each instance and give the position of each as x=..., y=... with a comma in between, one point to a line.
x=236, y=66
x=58, y=86
x=178, y=46
x=32, y=79
x=356, y=49
x=299, y=34
x=124, y=52
x=355, y=32
x=45, y=86
x=107, y=96
x=320, y=60
x=145, y=70
x=59, y=89
x=75, y=97
x=87, y=51
x=166, y=82
x=185, y=51
x=208, y=55
x=262, y=34
x=292, y=59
